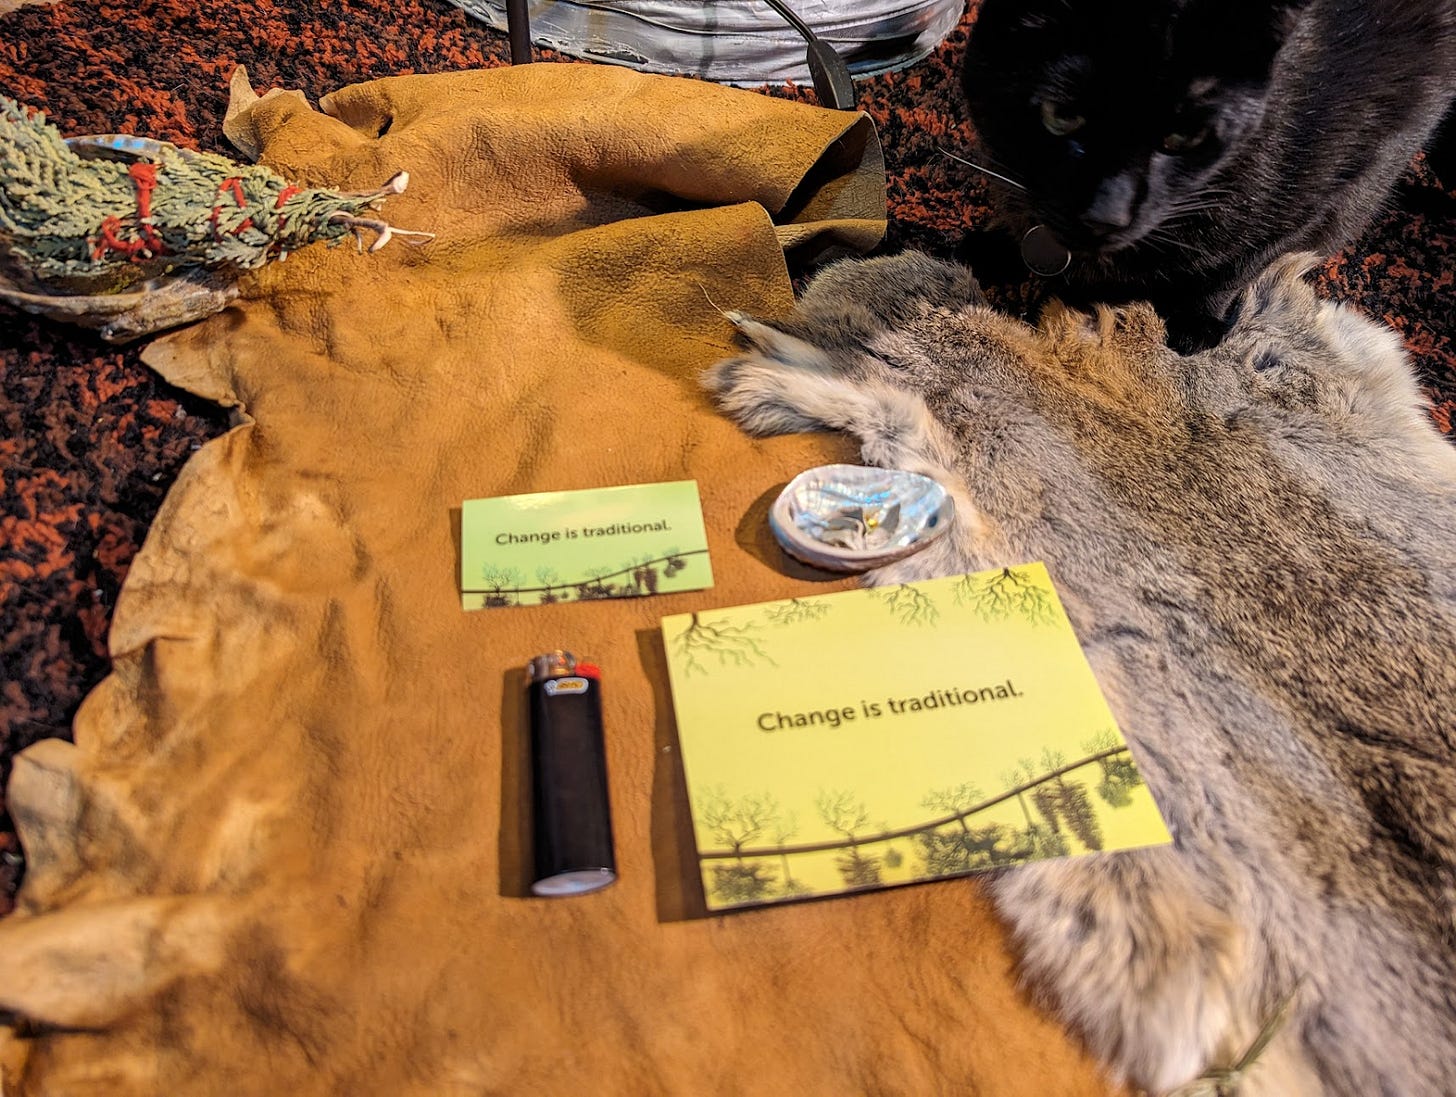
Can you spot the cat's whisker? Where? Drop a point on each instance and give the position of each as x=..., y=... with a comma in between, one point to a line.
x=1195, y=205
x=991, y=160
x=1161, y=240
x=1154, y=245
x=1223, y=192
x=983, y=155
x=1199, y=200
x=1204, y=195
x=1197, y=240
x=983, y=170
x=1181, y=222
x=1162, y=233
x=1188, y=251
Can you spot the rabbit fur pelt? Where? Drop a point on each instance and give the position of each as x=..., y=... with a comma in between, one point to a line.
x=1257, y=547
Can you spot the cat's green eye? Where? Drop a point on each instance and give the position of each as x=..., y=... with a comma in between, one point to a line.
x=1057, y=123
x=1177, y=143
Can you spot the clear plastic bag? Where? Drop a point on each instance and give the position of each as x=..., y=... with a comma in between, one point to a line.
x=733, y=41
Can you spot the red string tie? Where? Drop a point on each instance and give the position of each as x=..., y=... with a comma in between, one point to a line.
x=148, y=243
x=144, y=176
x=284, y=195
x=233, y=186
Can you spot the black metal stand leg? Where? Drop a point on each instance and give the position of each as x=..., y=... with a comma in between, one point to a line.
x=518, y=26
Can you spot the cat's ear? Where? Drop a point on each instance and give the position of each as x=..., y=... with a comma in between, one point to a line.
x=1237, y=40
x=1280, y=18
x=1025, y=18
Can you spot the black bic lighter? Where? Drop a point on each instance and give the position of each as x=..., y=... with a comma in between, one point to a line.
x=570, y=813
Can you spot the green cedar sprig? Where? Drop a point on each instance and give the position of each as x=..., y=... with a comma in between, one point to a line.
x=58, y=210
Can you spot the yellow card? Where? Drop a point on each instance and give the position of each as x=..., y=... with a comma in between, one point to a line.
x=879, y=737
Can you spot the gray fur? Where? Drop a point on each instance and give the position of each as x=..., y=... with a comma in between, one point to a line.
x=1257, y=547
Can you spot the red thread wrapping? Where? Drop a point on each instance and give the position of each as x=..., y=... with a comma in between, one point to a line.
x=284, y=195
x=233, y=186
x=145, y=178
x=110, y=241
x=148, y=242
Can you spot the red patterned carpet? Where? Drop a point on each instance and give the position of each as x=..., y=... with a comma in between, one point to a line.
x=90, y=441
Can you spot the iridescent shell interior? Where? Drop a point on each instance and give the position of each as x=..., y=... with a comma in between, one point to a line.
x=855, y=517
x=121, y=146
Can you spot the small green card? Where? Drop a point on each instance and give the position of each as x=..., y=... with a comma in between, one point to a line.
x=577, y=546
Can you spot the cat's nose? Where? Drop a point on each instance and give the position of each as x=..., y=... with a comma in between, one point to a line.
x=1113, y=206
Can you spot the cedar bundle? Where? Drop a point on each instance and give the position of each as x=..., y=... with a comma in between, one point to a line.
x=134, y=208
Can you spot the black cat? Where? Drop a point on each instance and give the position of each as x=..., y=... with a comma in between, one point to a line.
x=1176, y=146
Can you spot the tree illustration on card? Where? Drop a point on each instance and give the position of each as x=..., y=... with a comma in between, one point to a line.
x=501, y=585
x=846, y=815
x=907, y=604
x=961, y=847
x=735, y=824
x=708, y=641
x=796, y=611
x=998, y=595
x=1119, y=772
x=1039, y=839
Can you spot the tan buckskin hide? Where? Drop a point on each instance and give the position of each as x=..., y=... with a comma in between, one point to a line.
x=285, y=854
